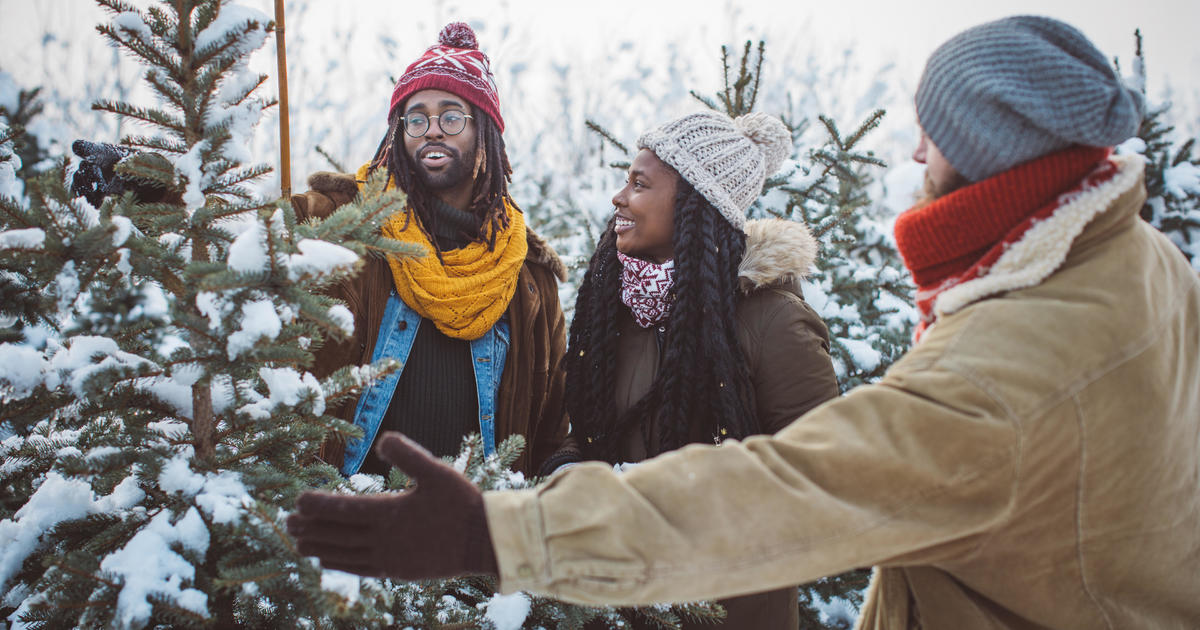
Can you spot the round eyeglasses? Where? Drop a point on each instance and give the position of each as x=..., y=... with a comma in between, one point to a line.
x=451, y=123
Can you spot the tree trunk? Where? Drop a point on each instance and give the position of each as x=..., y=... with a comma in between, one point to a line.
x=202, y=420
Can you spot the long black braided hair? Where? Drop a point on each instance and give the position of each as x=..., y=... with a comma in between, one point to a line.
x=702, y=377
x=492, y=172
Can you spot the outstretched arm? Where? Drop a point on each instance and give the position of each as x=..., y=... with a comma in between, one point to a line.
x=886, y=475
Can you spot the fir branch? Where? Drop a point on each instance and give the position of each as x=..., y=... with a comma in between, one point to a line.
x=88, y=575
x=337, y=166
x=870, y=124
x=151, y=117
x=605, y=135
x=156, y=143
x=726, y=96
x=280, y=535
x=708, y=102
x=762, y=47
x=230, y=583
x=167, y=89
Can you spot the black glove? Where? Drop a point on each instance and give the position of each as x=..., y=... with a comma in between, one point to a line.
x=95, y=179
x=437, y=530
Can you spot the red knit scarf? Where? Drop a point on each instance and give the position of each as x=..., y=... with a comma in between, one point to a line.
x=958, y=237
x=646, y=289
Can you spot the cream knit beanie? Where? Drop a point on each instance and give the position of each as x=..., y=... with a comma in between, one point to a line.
x=725, y=160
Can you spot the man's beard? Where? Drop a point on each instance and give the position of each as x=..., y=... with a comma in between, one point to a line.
x=453, y=174
x=931, y=192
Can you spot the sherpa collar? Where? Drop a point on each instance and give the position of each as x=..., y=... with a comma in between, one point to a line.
x=1034, y=248
x=1045, y=246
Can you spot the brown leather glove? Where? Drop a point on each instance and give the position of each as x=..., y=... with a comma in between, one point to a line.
x=327, y=192
x=437, y=530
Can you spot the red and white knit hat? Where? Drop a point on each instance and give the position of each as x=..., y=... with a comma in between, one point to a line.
x=455, y=64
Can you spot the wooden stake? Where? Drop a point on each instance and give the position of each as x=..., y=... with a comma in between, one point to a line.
x=285, y=162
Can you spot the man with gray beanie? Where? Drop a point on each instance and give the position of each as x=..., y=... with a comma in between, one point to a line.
x=1032, y=462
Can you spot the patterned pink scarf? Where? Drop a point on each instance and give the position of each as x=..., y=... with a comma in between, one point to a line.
x=646, y=289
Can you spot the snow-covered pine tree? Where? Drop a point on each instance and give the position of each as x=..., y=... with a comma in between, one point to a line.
x=859, y=288
x=153, y=372
x=18, y=108
x=161, y=413
x=1172, y=172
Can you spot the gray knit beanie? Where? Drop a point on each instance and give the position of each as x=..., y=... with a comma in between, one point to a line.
x=1016, y=89
x=725, y=160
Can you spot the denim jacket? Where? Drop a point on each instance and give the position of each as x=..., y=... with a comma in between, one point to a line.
x=395, y=340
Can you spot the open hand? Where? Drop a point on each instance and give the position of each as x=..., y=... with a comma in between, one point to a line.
x=439, y=529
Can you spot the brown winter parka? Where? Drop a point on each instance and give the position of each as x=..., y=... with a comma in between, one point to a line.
x=530, y=398
x=786, y=345
x=1032, y=463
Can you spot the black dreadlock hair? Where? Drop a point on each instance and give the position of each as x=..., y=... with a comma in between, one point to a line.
x=492, y=173
x=702, y=377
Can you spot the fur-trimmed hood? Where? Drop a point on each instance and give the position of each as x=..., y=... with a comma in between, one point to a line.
x=778, y=253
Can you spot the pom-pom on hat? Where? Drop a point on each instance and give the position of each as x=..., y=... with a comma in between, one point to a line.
x=455, y=64
x=726, y=160
x=1009, y=91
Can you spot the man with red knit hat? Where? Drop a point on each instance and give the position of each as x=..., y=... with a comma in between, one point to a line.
x=476, y=324
x=1032, y=462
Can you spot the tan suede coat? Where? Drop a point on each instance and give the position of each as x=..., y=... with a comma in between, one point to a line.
x=1034, y=462
x=529, y=401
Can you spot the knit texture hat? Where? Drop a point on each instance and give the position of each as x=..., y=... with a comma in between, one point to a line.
x=1015, y=89
x=455, y=64
x=725, y=160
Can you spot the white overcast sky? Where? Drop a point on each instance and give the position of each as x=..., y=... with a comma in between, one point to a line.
x=903, y=31
x=875, y=32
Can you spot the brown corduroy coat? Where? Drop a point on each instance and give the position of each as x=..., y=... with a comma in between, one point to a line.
x=1032, y=463
x=529, y=401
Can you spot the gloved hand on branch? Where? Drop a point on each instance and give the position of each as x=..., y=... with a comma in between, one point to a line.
x=437, y=530
x=96, y=176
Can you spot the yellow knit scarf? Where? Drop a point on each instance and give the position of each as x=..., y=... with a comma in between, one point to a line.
x=467, y=293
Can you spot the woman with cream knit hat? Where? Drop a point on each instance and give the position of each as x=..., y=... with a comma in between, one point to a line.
x=690, y=326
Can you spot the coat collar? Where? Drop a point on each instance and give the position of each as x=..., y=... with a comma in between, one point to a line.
x=1045, y=246
x=542, y=253
x=778, y=253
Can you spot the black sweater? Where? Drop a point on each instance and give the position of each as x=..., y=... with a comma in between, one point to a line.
x=435, y=402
